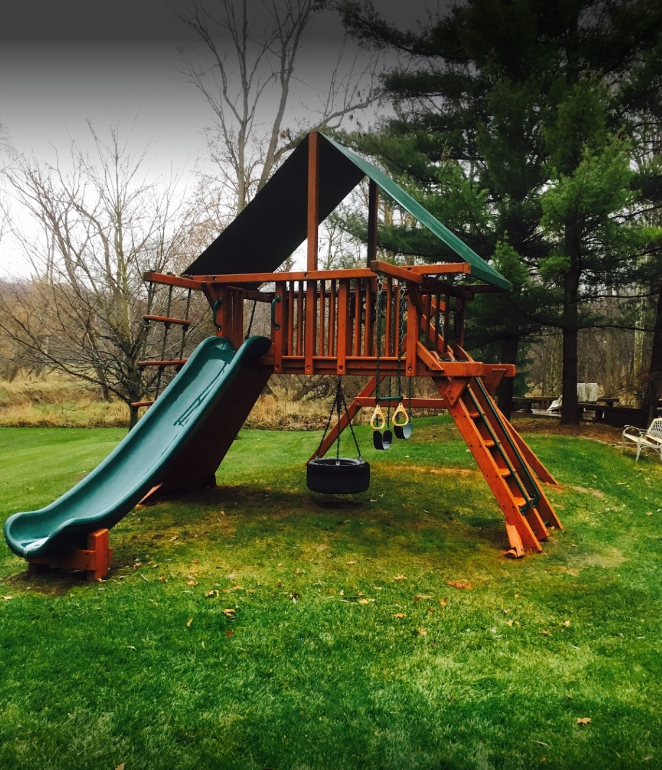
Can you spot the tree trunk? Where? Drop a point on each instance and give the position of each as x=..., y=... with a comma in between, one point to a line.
x=653, y=389
x=133, y=416
x=509, y=350
x=569, y=412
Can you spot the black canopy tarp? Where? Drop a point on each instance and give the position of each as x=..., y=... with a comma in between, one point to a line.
x=274, y=223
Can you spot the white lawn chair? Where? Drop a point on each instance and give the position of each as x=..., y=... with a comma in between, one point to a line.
x=646, y=439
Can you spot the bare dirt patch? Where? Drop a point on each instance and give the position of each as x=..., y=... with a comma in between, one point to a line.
x=607, y=434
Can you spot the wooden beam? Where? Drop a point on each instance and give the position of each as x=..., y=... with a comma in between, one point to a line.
x=313, y=199
x=169, y=279
x=452, y=268
x=428, y=284
x=301, y=275
x=373, y=212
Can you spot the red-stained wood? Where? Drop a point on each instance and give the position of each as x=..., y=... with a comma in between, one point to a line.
x=368, y=346
x=313, y=199
x=416, y=403
x=168, y=279
x=437, y=314
x=457, y=268
x=331, y=346
x=447, y=316
x=356, y=348
x=169, y=362
x=493, y=377
x=310, y=326
x=321, y=319
x=260, y=278
x=428, y=314
x=412, y=330
x=279, y=333
x=164, y=319
x=301, y=301
x=95, y=560
x=373, y=216
x=525, y=539
x=289, y=348
x=387, y=321
x=425, y=282
x=344, y=327
x=540, y=470
x=518, y=463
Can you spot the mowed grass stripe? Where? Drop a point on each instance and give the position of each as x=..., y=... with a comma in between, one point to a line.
x=269, y=627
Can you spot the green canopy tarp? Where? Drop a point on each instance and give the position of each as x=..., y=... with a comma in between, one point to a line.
x=274, y=223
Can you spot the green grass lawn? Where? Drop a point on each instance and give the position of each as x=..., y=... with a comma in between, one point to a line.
x=261, y=626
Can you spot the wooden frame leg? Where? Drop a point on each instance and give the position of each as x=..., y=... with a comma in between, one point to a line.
x=95, y=560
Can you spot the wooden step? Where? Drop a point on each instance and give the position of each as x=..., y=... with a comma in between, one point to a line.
x=473, y=415
x=138, y=404
x=504, y=472
x=171, y=362
x=166, y=320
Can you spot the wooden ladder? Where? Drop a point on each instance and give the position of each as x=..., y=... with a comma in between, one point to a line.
x=501, y=457
x=167, y=321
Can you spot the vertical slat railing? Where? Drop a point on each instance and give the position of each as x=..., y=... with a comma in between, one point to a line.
x=356, y=349
x=300, y=310
x=332, y=320
x=311, y=326
x=344, y=324
x=322, y=318
x=368, y=346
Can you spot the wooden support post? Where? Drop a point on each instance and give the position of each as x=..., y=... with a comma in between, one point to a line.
x=412, y=330
x=373, y=212
x=447, y=315
x=344, y=325
x=310, y=326
x=313, y=198
x=279, y=330
x=95, y=560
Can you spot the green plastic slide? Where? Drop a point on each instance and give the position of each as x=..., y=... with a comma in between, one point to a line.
x=142, y=459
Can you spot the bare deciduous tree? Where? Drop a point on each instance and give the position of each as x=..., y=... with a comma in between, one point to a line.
x=101, y=226
x=245, y=67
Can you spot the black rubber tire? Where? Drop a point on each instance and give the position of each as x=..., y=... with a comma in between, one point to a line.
x=343, y=476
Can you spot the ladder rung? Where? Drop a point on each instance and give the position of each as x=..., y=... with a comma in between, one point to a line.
x=504, y=472
x=519, y=501
x=141, y=403
x=473, y=415
x=488, y=442
x=164, y=319
x=171, y=362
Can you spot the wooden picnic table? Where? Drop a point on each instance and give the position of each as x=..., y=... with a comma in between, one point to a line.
x=609, y=401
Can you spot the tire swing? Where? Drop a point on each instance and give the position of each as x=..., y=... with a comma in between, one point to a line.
x=338, y=475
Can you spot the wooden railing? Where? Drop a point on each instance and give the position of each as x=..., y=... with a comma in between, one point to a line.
x=325, y=322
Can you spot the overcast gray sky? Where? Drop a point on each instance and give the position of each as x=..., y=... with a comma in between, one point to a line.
x=63, y=62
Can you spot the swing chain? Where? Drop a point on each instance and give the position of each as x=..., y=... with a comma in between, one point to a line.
x=338, y=402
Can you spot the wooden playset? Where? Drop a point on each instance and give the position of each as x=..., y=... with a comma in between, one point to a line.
x=381, y=322
x=378, y=321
